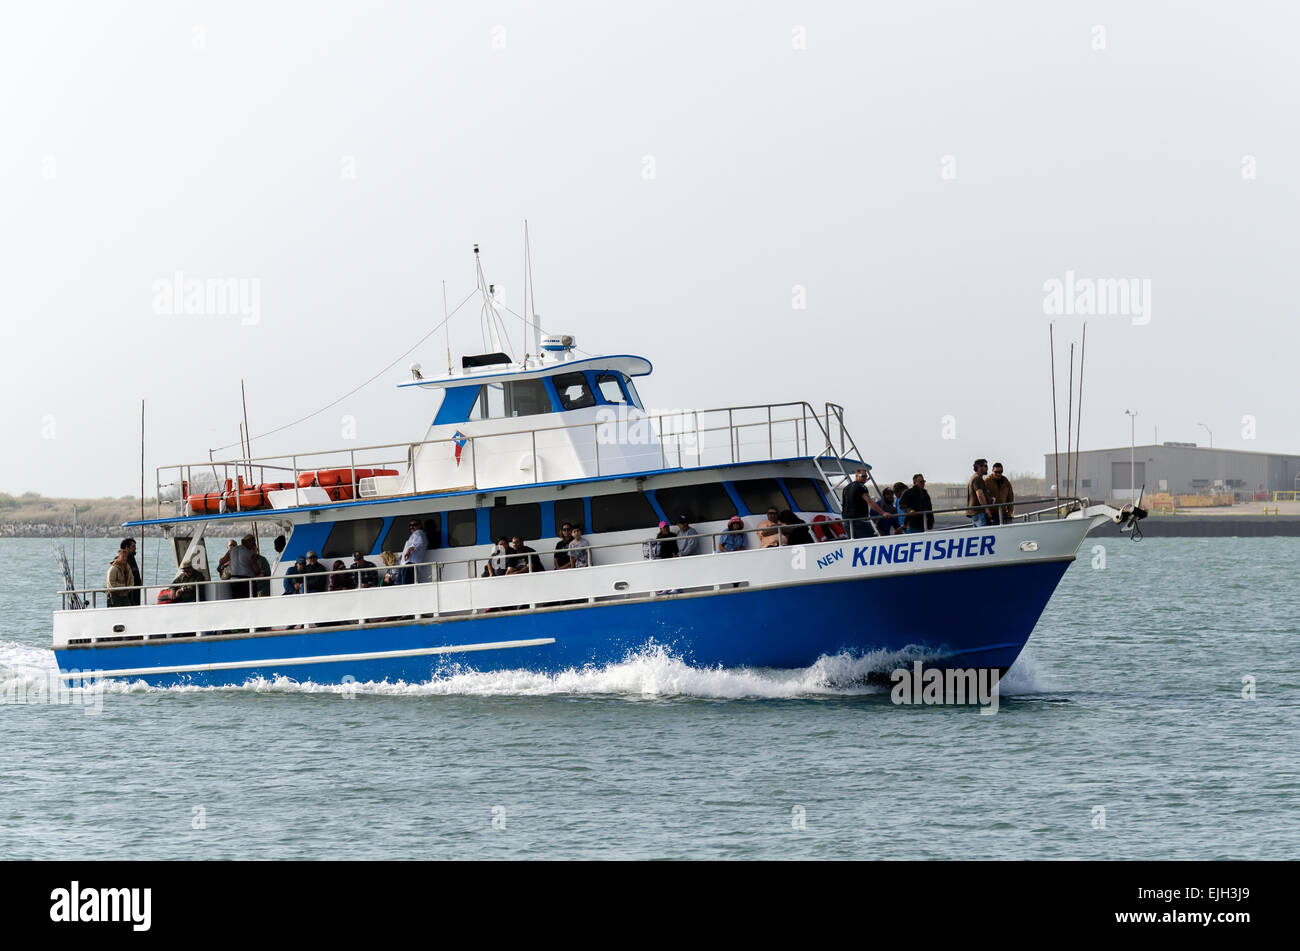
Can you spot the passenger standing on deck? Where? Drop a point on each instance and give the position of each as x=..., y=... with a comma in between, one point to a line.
x=857, y=506
x=916, y=505
x=886, y=524
x=242, y=567
x=119, y=577
x=977, y=495
x=579, y=549
x=262, y=571
x=415, y=554
x=561, y=555
x=128, y=546
x=769, y=530
x=900, y=522
x=999, y=487
x=688, y=540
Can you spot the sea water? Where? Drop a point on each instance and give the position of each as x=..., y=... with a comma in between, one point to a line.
x=1155, y=714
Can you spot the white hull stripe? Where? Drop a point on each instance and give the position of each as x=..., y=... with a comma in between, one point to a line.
x=316, y=659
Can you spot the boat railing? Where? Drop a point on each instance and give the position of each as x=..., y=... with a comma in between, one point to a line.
x=686, y=439
x=437, y=572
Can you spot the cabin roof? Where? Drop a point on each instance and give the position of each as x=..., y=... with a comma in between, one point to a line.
x=623, y=363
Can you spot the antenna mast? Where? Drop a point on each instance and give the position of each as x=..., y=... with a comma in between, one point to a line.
x=1056, y=451
x=446, y=325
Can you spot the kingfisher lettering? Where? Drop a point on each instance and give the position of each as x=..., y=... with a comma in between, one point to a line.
x=914, y=550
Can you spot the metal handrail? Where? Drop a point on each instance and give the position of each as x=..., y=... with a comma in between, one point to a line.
x=473, y=563
x=297, y=462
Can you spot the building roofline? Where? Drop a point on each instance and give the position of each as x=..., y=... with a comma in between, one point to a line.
x=1240, y=452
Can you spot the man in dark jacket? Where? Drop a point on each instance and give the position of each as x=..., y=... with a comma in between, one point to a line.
x=522, y=559
x=367, y=579
x=916, y=505
x=133, y=597
x=857, y=505
x=317, y=576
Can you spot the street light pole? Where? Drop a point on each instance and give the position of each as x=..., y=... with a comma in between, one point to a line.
x=1132, y=449
x=1207, y=429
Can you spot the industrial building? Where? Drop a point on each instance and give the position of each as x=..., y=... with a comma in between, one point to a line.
x=1177, y=468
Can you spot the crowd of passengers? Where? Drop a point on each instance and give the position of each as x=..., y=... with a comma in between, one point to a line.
x=899, y=509
x=902, y=509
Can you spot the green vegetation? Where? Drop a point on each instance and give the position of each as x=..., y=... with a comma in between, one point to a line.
x=33, y=514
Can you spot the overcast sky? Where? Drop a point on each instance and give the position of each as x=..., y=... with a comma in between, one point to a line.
x=921, y=172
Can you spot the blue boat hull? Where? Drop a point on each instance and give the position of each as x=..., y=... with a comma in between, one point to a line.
x=969, y=618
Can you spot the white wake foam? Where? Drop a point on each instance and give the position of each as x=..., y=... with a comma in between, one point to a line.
x=650, y=673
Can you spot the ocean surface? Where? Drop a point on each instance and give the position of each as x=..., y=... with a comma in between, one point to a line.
x=1122, y=733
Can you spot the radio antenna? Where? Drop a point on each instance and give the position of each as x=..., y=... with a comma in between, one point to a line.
x=1069, y=419
x=1079, y=425
x=1056, y=451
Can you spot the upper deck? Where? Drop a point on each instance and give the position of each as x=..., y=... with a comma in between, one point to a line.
x=615, y=441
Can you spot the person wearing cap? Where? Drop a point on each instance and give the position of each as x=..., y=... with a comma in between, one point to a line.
x=186, y=587
x=292, y=583
x=733, y=539
x=319, y=576
x=416, y=553
x=688, y=541
x=663, y=545
x=366, y=579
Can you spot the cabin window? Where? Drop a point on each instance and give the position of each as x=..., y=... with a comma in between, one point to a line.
x=805, y=495
x=400, y=531
x=511, y=520
x=610, y=390
x=759, y=495
x=462, y=528
x=707, y=502
x=358, y=534
x=631, y=392
x=573, y=391
x=569, y=510
x=516, y=398
x=622, y=512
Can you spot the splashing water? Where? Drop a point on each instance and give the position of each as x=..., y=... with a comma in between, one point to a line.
x=651, y=672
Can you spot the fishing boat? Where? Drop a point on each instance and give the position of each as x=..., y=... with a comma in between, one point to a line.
x=520, y=447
